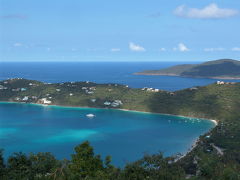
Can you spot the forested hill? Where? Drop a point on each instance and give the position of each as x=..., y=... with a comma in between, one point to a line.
x=223, y=68
x=216, y=156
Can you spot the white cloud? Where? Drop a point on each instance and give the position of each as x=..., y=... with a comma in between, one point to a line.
x=236, y=49
x=135, y=47
x=212, y=11
x=214, y=49
x=115, y=49
x=182, y=47
x=17, y=44
x=163, y=49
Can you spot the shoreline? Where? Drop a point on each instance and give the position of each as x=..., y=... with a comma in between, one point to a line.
x=193, y=144
x=176, y=75
x=215, y=122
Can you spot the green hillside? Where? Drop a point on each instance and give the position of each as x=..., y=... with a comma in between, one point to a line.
x=217, y=154
x=224, y=68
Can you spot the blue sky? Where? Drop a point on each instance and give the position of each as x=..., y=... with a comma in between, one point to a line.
x=105, y=30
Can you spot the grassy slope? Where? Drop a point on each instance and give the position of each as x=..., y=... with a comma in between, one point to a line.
x=221, y=102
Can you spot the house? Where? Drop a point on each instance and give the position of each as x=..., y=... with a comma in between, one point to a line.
x=34, y=97
x=45, y=101
x=17, y=99
x=93, y=100
x=89, y=92
x=116, y=103
x=193, y=88
x=2, y=87
x=107, y=103
x=220, y=82
x=149, y=89
x=58, y=90
x=25, y=98
x=92, y=88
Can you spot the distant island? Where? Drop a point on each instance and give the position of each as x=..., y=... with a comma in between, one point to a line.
x=218, y=69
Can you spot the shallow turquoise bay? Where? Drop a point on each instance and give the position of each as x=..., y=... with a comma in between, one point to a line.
x=126, y=136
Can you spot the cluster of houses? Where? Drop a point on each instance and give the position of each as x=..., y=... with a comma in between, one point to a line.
x=30, y=98
x=89, y=90
x=222, y=82
x=3, y=87
x=115, y=103
x=25, y=98
x=44, y=101
x=150, y=89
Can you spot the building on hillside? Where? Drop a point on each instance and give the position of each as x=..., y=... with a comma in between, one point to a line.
x=45, y=101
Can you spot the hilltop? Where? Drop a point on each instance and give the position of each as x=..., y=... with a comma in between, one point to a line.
x=218, y=69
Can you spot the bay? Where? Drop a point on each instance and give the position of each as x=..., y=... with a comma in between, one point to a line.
x=125, y=135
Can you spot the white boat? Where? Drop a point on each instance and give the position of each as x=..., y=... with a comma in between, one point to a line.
x=90, y=115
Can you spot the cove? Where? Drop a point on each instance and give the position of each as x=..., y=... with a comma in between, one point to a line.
x=125, y=135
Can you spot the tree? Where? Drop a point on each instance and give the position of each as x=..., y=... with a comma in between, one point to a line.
x=43, y=163
x=19, y=167
x=2, y=165
x=84, y=163
x=154, y=167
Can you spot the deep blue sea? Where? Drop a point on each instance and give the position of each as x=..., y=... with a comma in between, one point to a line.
x=100, y=72
x=126, y=136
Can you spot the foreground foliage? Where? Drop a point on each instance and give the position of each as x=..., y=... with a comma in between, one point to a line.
x=84, y=164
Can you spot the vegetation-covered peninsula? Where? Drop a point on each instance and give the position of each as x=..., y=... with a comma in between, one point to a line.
x=219, y=69
x=216, y=155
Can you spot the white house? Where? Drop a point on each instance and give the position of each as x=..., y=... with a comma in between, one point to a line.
x=45, y=101
x=220, y=82
x=25, y=98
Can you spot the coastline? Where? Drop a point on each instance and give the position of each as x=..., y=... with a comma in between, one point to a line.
x=215, y=122
x=194, y=143
x=176, y=75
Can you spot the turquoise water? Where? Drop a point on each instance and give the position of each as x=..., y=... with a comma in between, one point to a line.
x=126, y=136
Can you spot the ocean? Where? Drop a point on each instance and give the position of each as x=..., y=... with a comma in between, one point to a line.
x=100, y=72
x=124, y=135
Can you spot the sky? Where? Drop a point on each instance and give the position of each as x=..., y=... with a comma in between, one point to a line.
x=119, y=30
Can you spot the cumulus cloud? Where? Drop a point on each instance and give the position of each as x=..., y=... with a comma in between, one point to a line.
x=181, y=47
x=135, y=47
x=236, y=49
x=17, y=44
x=214, y=49
x=212, y=11
x=115, y=49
